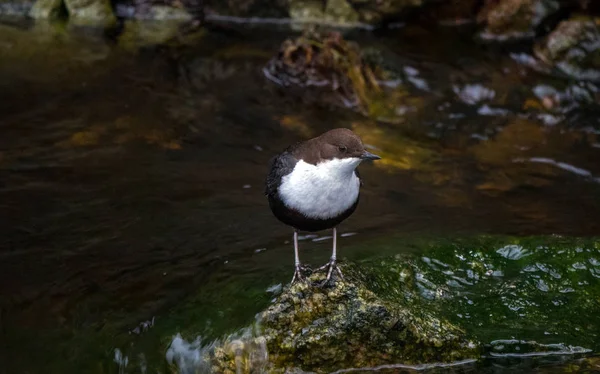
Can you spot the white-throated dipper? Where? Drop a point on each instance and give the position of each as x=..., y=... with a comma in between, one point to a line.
x=314, y=185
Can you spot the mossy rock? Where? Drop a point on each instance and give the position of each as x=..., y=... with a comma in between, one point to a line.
x=407, y=302
x=346, y=324
x=320, y=329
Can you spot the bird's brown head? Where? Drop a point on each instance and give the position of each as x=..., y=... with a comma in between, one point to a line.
x=342, y=143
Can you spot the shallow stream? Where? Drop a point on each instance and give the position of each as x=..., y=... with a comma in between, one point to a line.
x=131, y=186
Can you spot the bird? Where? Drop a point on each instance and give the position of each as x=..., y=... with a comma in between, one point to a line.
x=314, y=185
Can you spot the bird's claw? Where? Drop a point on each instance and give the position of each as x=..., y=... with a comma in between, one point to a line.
x=331, y=265
x=298, y=275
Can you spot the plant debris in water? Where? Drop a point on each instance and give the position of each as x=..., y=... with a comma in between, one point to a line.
x=325, y=61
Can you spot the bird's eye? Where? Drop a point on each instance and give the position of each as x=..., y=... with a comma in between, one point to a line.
x=342, y=148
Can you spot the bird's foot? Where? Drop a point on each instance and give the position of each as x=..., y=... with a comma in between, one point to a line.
x=330, y=267
x=298, y=276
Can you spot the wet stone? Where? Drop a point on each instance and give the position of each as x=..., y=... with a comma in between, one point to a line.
x=314, y=328
x=346, y=324
x=573, y=48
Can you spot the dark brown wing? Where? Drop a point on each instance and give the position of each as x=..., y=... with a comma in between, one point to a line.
x=280, y=166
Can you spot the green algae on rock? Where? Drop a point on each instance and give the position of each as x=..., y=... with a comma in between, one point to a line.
x=348, y=325
x=509, y=293
x=322, y=329
x=573, y=48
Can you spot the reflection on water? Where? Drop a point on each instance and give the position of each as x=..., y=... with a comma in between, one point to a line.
x=131, y=177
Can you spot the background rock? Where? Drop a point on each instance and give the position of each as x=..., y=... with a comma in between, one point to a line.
x=508, y=19
x=90, y=11
x=339, y=11
x=306, y=10
x=374, y=12
x=573, y=48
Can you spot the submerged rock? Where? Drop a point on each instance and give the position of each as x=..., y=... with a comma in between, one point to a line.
x=348, y=325
x=512, y=19
x=573, y=48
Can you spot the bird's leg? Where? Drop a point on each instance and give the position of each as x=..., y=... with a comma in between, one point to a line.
x=332, y=264
x=297, y=272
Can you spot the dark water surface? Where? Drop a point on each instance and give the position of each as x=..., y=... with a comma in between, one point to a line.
x=131, y=180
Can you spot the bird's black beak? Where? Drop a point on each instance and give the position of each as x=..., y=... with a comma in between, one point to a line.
x=369, y=156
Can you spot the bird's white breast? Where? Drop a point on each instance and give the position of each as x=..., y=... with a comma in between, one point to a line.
x=321, y=191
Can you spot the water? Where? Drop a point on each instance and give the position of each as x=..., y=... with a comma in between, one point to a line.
x=131, y=180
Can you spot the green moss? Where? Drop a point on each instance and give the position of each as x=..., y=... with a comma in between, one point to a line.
x=348, y=325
